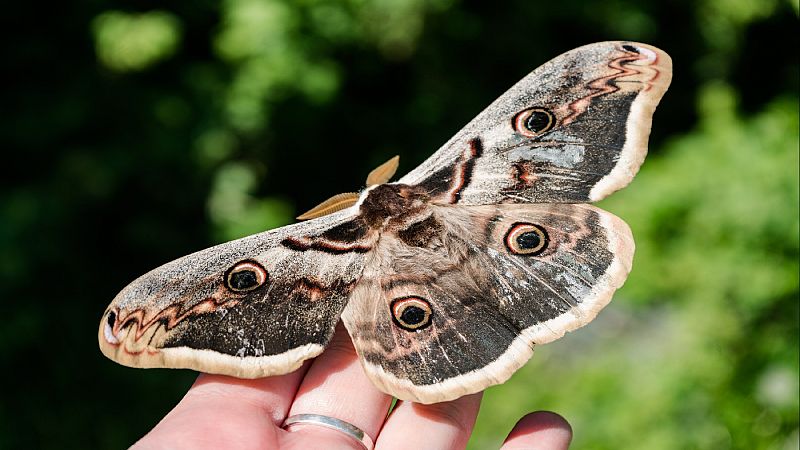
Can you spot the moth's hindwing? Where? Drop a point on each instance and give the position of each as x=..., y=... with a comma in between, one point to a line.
x=462, y=310
x=574, y=130
x=250, y=308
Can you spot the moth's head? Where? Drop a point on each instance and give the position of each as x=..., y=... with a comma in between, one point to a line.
x=156, y=310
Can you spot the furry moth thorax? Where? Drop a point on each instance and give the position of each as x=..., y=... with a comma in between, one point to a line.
x=445, y=279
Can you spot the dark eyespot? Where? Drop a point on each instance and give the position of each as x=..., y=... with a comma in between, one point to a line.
x=534, y=122
x=411, y=313
x=526, y=239
x=630, y=48
x=529, y=240
x=245, y=276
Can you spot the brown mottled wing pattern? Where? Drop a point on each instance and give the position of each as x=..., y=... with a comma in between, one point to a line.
x=487, y=305
x=572, y=131
x=186, y=314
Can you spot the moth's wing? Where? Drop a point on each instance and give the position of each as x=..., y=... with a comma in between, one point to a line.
x=593, y=105
x=488, y=306
x=186, y=314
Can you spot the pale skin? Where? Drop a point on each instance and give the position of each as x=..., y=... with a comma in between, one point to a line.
x=223, y=412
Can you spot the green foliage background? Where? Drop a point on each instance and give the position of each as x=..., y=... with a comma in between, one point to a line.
x=136, y=132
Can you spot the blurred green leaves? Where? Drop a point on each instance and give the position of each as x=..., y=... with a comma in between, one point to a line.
x=262, y=39
x=729, y=191
x=699, y=348
x=268, y=43
x=127, y=42
x=718, y=233
x=233, y=209
x=393, y=26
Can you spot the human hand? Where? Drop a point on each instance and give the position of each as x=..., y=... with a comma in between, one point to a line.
x=222, y=412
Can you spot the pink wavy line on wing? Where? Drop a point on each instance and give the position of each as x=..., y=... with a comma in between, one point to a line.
x=461, y=175
x=602, y=85
x=656, y=73
x=171, y=313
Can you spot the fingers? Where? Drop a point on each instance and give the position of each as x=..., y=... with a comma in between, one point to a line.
x=446, y=425
x=337, y=386
x=541, y=430
x=225, y=412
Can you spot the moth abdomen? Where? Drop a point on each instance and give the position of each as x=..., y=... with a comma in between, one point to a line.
x=424, y=233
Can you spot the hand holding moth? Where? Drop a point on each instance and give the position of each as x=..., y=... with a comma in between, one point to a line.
x=444, y=279
x=224, y=412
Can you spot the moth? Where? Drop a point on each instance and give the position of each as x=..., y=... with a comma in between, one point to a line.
x=445, y=279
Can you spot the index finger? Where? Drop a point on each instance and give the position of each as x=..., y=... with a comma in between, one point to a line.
x=253, y=411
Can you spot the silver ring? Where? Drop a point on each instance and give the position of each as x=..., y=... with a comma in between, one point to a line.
x=332, y=423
